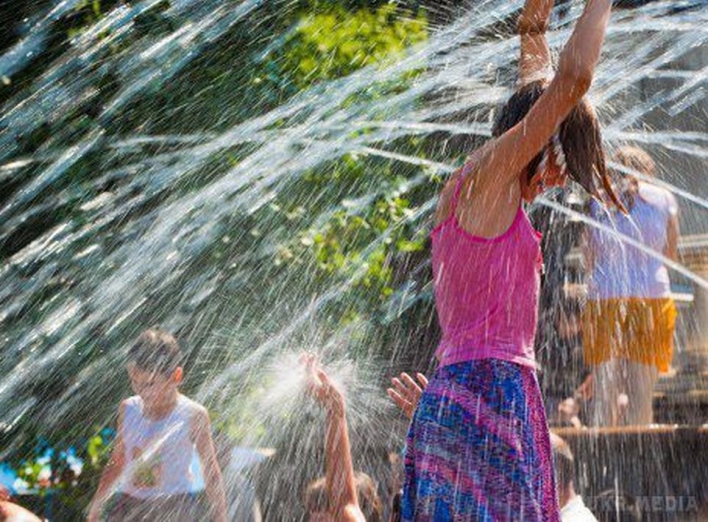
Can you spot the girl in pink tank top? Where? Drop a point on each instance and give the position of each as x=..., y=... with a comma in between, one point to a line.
x=478, y=446
x=485, y=298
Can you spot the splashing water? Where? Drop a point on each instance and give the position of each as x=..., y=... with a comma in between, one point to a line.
x=187, y=215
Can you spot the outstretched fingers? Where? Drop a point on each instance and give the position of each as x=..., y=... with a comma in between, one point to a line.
x=402, y=402
x=406, y=392
x=422, y=379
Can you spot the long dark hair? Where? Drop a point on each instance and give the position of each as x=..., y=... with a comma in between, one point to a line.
x=579, y=135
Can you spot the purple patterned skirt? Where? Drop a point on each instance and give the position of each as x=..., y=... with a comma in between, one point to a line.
x=478, y=447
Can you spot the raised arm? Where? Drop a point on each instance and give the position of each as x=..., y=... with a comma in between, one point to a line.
x=339, y=470
x=340, y=482
x=535, y=59
x=498, y=164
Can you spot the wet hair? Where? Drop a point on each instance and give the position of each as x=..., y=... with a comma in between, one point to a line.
x=563, y=462
x=155, y=350
x=316, y=498
x=579, y=135
x=636, y=159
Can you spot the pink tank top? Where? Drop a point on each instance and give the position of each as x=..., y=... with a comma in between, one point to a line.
x=486, y=290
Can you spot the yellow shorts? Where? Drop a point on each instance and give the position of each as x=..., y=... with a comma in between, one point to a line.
x=640, y=330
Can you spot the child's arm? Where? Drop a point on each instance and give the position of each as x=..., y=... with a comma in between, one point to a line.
x=672, y=235
x=339, y=473
x=497, y=164
x=339, y=470
x=535, y=59
x=111, y=473
x=214, y=482
x=587, y=247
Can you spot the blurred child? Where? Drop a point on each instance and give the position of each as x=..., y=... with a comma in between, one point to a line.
x=630, y=315
x=573, y=508
x=342, y=495
x=158, y=430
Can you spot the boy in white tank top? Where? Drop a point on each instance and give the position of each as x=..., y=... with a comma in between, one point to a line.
x=149, y=474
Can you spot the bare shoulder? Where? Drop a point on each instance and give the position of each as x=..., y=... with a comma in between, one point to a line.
x=353, y=513
x=467, y=172
x=193, y=406
x=657, y=196
x=445, y=199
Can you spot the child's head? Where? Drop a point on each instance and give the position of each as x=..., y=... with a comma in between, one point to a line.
x=638, y=160
x=317, y=505
x=563, y=464
x=575, y=151
x=154, y=365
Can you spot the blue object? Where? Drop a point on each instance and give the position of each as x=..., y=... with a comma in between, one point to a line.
x=8, y=476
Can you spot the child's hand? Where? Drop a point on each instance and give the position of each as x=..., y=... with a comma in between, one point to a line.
x=406, y=392
x=568, y=411
x=319, y=385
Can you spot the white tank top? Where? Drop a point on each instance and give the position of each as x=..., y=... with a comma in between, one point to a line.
x=158, y=453
x=622, y=270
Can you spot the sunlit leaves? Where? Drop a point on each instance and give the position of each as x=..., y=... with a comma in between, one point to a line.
x=360, y=238
x=335, y=43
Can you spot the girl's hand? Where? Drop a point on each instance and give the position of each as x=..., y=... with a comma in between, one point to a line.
x=406, y=393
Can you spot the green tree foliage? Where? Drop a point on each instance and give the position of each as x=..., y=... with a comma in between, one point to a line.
x=337, y=42
x=360, y=238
